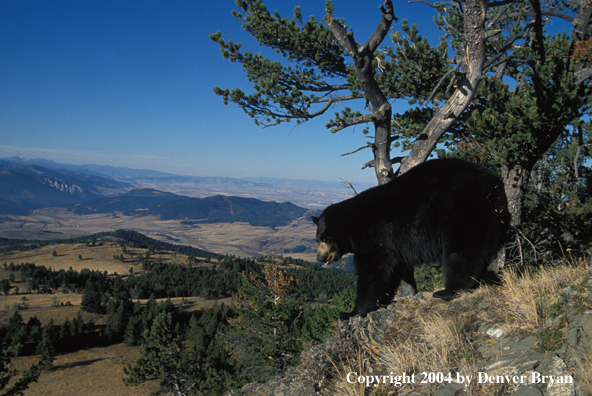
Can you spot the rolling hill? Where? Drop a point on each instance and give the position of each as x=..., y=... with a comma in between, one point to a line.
x=28, y=187
x=215, y=209
x=128, y=203
x=223, y=209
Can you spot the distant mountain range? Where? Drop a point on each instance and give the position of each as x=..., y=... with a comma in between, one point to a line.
x=28, y=187
x=106, y=171
x=25, y=187
x=58, y=184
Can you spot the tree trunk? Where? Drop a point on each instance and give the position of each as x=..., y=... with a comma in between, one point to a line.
x=382, y=148
x=515, y=179
x=473, y=60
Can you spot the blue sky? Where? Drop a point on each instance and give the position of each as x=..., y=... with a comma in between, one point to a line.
x=130, y=83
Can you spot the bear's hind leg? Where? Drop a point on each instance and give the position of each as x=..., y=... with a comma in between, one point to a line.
x=459, y=274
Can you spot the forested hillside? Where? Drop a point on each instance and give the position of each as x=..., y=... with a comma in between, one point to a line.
x=128, y=203
x=215, y=209
x=222, y=209
x=206, y=337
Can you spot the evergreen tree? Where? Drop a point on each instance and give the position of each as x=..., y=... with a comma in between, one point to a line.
x=119, y=310
x=133, y=331
x=206, y=335
x=46, y=347
x=484, y=45
x=65, y=335
x=5, y=286
x=514, y=127
x=345, y=300
x=323, y=318
x=77, y=326
x=7, y=353
x=16, y=330
x=265, y=339
x=163, y=357
x=92, y=298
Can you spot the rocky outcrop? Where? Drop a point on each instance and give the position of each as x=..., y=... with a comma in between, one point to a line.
x=62, y=186
x=488, y=356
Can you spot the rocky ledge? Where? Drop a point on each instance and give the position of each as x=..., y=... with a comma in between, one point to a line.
x=529, y=337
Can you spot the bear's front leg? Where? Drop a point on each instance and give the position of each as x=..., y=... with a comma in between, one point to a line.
x=374, y=289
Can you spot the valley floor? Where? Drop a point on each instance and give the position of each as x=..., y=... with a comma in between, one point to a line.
x=238, y=239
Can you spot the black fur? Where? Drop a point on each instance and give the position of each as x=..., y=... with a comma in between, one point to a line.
x=448, y=211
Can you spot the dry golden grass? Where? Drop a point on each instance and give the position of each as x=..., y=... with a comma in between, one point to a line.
x=522, y=292
x=583, y=372
x=98, y=257
x=431, y=336
x=91, y=372
x=343, y=387
x=43, y=306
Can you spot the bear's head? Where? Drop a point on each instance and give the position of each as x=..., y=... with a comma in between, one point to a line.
x=330, y=244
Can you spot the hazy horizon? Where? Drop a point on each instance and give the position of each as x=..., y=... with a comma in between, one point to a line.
x=329, y=184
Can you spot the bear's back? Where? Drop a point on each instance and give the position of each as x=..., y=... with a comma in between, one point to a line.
x=430, y=189
x=440, y=175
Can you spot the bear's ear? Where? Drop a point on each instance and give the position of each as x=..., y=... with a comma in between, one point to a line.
x=315, y=219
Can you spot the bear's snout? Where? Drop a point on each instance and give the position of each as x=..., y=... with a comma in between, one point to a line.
x=326, y=254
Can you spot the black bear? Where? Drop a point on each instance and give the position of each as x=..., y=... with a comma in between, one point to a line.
x=447, y=210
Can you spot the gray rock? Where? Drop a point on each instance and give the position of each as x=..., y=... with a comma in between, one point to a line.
x=493, y=330
x=528, y=391
x=563, y=384
x=448, y=390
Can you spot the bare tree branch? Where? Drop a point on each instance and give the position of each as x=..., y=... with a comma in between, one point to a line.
x=369, y=145
x=473, y=61
x=349, y=184
x=449, y=72
x=394, y=160
x=342, y=123
x=538, y=29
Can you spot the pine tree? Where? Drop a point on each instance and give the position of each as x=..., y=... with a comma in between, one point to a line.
x=133, y=331
x=319, y=65
x=66, y=335
x=323, y=318
x=5, y=286
x=17, y=331
x=92, y=298
x=512, y=128
x=163, y=357
x=46, y=347
x=7, y=353
x=265, y=339
x=345, y=300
